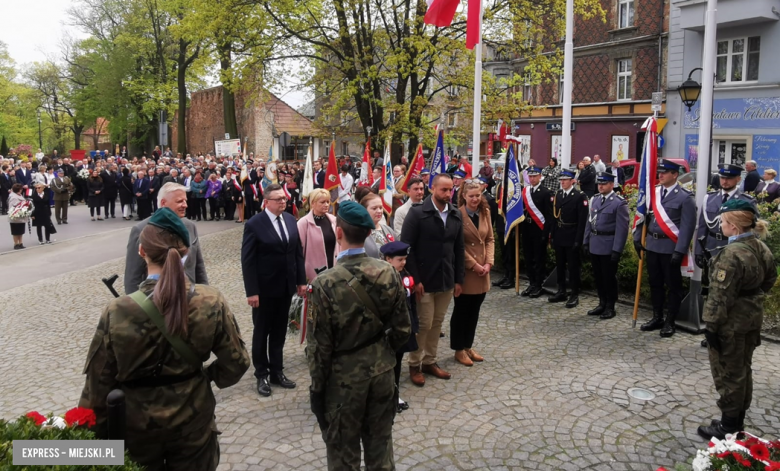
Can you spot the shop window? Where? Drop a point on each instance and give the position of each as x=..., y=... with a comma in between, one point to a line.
x=625, y=13
x=738, y=60
x=624, y=80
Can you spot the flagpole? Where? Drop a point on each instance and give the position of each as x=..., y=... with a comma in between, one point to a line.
x=476, y=134
x=568, y=72
x=639, y=274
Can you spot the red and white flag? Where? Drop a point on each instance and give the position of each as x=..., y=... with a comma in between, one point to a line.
x=366, y=175
x=441, y=13
x=415, y=168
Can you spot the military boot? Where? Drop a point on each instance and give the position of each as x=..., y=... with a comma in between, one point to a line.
x=669, y=328
x=536, y=292
x=498, y=283
x=598, y=310
x=574, y=300
x=653, y=324
x=507, y=283
x=527, y=291
x=609, y=312
x=726, y=425
x=558, y=297
x=740, y=424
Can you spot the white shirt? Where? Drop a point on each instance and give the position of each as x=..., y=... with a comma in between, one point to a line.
x=730, y=193
x=187, y=181
x=443, y=214
x=600, y=166
x=345, y=187
x=273, y=219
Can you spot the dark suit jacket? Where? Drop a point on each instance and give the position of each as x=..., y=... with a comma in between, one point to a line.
x=5, y=181
x=110, y=188
x=587, y=180
x=752, y=179
x=437, y=255
x=568, y=229
x=141, y=186
x=271, y=267
x=24, y=178
x=319, y=181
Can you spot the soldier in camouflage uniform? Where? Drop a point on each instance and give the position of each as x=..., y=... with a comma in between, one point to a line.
x=740, y=275
x=170, y=404
x=357, y=319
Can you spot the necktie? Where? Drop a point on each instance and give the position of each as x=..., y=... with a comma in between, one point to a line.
x=603, y=199
x=663, y=194
x=725, y=198
x=281, y=229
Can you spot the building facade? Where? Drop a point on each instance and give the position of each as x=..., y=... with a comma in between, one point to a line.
x=618, y=64
x=746, y=103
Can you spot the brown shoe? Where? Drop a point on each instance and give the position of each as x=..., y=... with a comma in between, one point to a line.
x=416, y=375
x=436, y=371
x=474, y=355
x=462, y=358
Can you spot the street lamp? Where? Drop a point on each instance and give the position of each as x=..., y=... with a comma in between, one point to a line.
x=690, y=90
x=40, y=134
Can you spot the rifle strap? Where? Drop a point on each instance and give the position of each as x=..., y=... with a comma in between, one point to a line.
x=157, y=319
x=353, y=283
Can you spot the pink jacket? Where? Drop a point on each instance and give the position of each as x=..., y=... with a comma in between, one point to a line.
x=314, y=245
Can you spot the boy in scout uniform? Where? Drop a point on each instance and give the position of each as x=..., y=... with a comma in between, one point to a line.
x=357, y=319
x=605, y=237
x=674, y=205
x=570, y=210
x=709, y=219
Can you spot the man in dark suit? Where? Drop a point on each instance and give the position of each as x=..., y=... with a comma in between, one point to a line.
x=110, y=189
x=319, y=175
x=536, y=229
x=155, y=184
x=587, y=178
x=172, y=178
x=273, y=268
x=141, y=191
x=5, y=188
x=24, y=175
x=752, y=179
x=570, y=210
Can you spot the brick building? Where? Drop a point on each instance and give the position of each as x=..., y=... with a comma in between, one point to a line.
x=260, y=122
x=617, y=67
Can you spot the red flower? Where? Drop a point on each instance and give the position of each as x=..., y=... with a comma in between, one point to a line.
x=759, y=451
x=742, y=460
x=36, y=417
x=661, y=469
x=80, y=416
x=772, y=466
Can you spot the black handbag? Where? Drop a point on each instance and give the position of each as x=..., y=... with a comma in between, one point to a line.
x=52, y=229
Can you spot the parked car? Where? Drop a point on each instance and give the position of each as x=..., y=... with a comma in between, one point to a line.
x=631, y=169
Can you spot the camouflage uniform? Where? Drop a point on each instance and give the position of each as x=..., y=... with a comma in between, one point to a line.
x=739, y=276
x=358, y=384
x=170, y=426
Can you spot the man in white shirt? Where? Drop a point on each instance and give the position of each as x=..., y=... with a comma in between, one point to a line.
x=598, y=164
x=345, y=188
x=186, y=182
x=416, y=191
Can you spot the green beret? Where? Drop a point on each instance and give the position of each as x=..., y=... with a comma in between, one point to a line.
x=355, y=214
x=737, y=205
x=165, y=218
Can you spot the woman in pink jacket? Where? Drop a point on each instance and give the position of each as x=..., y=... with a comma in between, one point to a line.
x=317, y=232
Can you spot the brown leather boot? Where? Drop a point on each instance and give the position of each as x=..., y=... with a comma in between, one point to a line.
x=434, y=370
x=416, y=375
x=462, y=358
x=474, y=355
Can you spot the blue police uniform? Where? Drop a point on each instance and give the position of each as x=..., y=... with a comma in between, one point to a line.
x=664, y=256
x=605, y=236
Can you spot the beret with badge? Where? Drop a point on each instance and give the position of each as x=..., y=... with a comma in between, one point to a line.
x=356, y=215
x=166, y=219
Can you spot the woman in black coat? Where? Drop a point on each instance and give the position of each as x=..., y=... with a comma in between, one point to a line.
x=126, y=194
x=95, y=188
x=41, y=215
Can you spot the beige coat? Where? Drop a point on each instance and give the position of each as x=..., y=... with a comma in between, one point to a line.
x=480, y=249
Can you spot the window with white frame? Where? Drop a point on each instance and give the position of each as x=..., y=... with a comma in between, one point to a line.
x=452, y=119
x=624, y=79
x=625, y=13
x=528, y=92
x=560, y=89
x=738, y=60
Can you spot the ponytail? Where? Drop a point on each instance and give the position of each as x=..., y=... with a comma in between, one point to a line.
x=762, y=229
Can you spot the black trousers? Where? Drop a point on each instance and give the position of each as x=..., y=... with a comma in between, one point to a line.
x=399, y=358
x=508, y=252
x=191, y=206
x=661, y=272
x=41, y=230
x=4, y=201
x=199, y=209
x=249, y=206
x=230, y=209
x=463, y=323
x=535, y=253
x=568, y=258
x=109, y=204
x=144, y=207
x=605, y=274
x=214, y=207
x=270, y=321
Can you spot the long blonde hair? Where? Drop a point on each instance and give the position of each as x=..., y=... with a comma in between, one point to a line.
x=747, y=221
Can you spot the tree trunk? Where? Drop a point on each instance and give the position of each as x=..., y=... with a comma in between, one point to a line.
x=224, y=50
x=77, y=128
x=181, y=123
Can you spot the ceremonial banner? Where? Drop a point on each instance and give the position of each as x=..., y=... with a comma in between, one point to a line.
x=418, y=163
x=386, y=187
x=332, y=177
x=308, y=176
x=647, y=172
x=512, y=193
x=366, y=175
x=438, y=163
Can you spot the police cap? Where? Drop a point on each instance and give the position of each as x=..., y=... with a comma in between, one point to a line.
x=395, y=249
x=729, y=170
x=533, y=170
x=604, y=177
x=566, y=175
x=666, y=165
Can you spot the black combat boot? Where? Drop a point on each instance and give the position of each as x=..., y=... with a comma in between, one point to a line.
x=740, y=425
x=558, y=297
x=527, y=291
x=669, y=329
x=574, y=300
x=653, y=324
x=719, y=429
x=536, y=292
x=609, y=312
x=498, y=283
x=598, y=310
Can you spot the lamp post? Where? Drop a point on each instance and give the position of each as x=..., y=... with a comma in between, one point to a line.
x=40, y=133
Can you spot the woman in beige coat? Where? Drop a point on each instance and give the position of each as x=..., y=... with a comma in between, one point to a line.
x=479, y=243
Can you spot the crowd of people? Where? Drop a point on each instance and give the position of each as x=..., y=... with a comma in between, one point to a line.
x=379, y=283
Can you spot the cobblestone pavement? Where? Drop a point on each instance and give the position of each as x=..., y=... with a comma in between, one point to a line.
x=552, y=393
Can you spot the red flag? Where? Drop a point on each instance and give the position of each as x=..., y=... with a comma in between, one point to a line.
x=332, y=177
x=441, y=12
x=473, y=24
x=366, y=175
x=502, y=132
x=418, y=162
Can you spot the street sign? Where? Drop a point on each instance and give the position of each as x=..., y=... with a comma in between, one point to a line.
x=658, y=99
x=661, y=142
x=558, y=126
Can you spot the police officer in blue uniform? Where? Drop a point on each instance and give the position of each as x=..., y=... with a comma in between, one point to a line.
x=664, y=256
x=570, y=213
x=535, y=238
x=709, y=220
x=605, y=238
